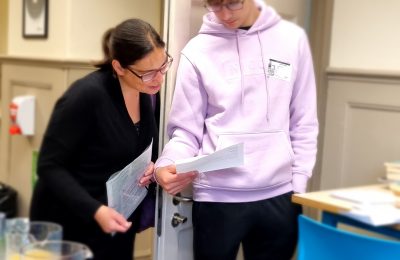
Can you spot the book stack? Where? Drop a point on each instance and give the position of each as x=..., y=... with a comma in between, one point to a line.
x=393, y=170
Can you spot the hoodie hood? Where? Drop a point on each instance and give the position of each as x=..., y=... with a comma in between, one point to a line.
x=268, y=17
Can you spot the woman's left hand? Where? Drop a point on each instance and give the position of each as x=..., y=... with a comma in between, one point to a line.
x=146, y=179
x=110, y=220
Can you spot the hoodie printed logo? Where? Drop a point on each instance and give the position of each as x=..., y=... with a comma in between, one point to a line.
x=279, y=70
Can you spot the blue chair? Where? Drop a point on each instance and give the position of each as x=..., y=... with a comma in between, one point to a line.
x=318, y=241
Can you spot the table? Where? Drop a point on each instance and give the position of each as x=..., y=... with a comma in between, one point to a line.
x=332, y=209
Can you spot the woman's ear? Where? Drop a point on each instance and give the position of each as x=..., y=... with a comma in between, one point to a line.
x=118, y=68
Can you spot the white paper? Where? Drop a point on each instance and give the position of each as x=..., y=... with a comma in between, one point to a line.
x=365, y=196
x=231, y=156
x=123, y=191
x=376, y=215
x=372, y=207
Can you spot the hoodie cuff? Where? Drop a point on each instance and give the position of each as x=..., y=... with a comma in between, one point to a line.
x=299, y=183
x=154, y=178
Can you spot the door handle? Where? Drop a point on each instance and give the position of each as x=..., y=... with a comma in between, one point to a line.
x=178, y=219
x=178, y=198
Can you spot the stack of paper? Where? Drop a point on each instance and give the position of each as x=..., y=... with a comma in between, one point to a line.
x=365, y=197
x=376, y=215
x=393, y=170
x=374, y=207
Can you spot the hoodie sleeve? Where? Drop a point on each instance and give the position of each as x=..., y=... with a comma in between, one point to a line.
x=186, y=117
x=303, y=119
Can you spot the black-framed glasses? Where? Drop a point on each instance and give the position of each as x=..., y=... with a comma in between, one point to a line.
x=233, y=6
x=149, y=76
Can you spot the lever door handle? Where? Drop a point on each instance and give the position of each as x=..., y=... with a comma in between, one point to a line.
x=178, y=199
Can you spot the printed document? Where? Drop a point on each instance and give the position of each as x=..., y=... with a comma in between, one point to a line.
x=123, y=191
x=231, y=156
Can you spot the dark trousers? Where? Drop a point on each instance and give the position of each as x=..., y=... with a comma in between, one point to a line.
x=267, y=229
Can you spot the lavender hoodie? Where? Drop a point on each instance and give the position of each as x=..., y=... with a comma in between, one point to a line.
x=253, y=86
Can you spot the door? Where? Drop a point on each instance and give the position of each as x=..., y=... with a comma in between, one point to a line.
x=173, y=232
x=183, y=18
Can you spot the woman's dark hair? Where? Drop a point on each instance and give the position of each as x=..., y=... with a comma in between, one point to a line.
x=128, y=42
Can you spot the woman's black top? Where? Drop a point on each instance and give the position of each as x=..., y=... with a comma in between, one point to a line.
x=89, y=137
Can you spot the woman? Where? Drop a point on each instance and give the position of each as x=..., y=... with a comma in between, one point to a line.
x=101, y=124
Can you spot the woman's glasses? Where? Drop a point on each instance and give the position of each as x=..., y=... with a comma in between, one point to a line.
x=233, y=6
x=149, y=76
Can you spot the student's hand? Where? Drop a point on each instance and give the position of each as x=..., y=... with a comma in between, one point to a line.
x=111, y=221
x=146, y=179
x=172, y=182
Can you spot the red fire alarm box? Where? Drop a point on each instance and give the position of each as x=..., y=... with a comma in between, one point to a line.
x=22, y=115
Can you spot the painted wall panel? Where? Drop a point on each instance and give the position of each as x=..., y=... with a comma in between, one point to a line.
x=365, y=34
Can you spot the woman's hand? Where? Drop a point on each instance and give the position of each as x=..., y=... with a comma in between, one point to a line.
x=146, y=179
x=172, y=182
x=110, y=220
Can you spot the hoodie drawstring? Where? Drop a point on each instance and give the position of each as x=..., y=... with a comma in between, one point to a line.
x=266, y=76
x=241, y=70
x=265, y=68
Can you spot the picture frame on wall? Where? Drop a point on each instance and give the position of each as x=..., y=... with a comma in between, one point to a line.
x=35, y=18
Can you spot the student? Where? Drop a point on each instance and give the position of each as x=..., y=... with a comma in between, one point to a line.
x=247, y=77
x=101, y=124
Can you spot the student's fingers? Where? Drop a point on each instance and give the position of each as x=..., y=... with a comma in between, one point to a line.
x=178, y=179
x=168, y=179
x=183, y=177
x=171, y=168
x=165, y=175
x=179, y=188
x=180, y=184
x=186, y=175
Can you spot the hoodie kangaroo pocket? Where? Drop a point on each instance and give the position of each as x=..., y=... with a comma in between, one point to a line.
x=268, y=159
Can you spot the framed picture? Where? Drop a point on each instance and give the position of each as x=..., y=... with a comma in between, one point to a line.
x=35, y=18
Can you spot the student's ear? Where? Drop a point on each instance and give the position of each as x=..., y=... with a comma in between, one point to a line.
x=118, y=68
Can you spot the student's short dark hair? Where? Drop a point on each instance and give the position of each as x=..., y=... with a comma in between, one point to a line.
x=129, y=42
x=214, y=2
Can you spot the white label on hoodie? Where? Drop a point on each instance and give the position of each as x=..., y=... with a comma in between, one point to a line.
x=279, y=70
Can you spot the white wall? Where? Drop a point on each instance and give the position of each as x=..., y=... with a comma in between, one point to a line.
x=365, y=34
x=363, y=109
x=76, y=27
x=287, y=9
